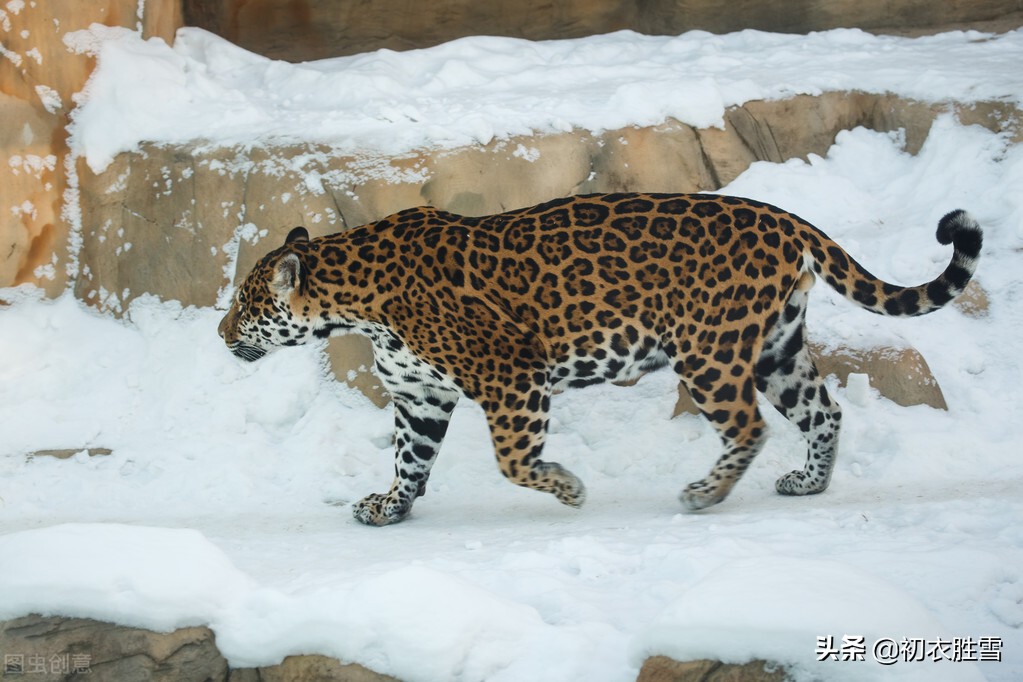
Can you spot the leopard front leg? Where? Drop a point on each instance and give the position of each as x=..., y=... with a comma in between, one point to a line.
x=420, y=422
x=518, y=433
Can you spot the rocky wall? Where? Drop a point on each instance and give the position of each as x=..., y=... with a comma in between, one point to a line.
x=39, y=76
x=57, y=649
x=301, y=30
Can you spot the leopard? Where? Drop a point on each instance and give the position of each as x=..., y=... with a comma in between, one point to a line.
x=507, y=310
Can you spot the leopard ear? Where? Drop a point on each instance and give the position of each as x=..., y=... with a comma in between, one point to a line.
x=287, y=274
x=297, y=234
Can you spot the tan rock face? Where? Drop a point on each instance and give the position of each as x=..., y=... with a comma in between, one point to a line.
x=899, y=374
x=38, y=76
x=664, y=669
x=310, y=668
x=29, y=200
x=104, y=651
x=52, y=649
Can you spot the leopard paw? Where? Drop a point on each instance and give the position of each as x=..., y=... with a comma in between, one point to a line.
x=799, y=483
x=381, y=509
x=700, y=495
x=562, y=483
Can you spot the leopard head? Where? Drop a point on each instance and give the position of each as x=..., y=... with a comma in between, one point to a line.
x=264, y=313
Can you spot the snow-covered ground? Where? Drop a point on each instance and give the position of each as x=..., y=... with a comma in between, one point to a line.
x=225, y=501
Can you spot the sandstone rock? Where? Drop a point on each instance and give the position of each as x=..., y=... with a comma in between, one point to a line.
x=665, y=158
x=351, y=358
x=54, y=648
x=29, y=198
x=508, y=174
x=974, y=301
x=67, y=453
x=38, y=76
x=899, y=374
x=309, y=668
x=161, y=222
x=684, y=404
x=664, y=669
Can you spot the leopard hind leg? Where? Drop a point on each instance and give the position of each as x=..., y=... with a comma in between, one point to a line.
x=788, y=378
x=728, y=401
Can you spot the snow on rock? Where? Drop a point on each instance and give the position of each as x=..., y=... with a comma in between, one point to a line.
x=475, y=89
x=414, y=622
x=157, y=578
x=776, y=609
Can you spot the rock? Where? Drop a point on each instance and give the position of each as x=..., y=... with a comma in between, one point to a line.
x=508, y=174
x=899, y=374
x=309, y=668
x=664, y=669
x=53, y=648
x=39, y=75
x=67, y=453
x=974, y=301
x=685, y=403
x=29, y=205
x=351, y=357
x=314, y=29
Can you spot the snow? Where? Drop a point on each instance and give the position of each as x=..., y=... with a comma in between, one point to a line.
x=755, y=596
x=480, y=88
x=226, y=499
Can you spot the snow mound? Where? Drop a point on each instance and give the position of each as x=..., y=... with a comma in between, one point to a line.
x=776, y=608
x=157, y=578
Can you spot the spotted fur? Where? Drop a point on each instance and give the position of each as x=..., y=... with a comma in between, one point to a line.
x=505, y=309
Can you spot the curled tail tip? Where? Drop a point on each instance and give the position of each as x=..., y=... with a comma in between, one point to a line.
x=960, y=229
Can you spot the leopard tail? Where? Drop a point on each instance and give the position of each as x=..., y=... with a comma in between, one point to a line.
x=849, y=278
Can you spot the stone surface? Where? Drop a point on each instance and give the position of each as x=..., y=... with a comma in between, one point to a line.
x=56, y=648
x=664, y=669
x=974, y=301
x=309, y=668
x=59, y=649
x=38, y=76
x=29, y=197
x=351, y=356
x=67, y=453
x=311, y=29
x=899, y=374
